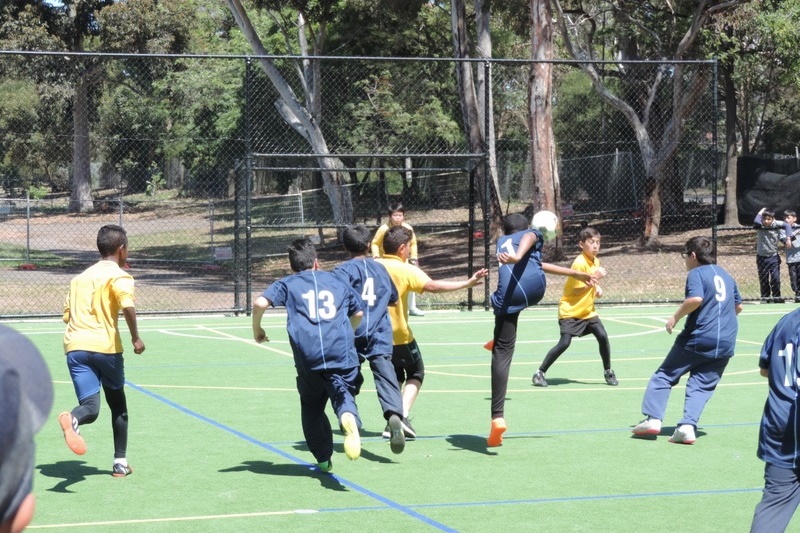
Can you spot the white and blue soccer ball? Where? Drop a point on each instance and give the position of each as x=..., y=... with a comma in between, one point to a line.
x=547, y=223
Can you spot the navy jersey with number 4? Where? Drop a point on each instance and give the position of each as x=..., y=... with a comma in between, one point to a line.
x=318, y=306
x=778, y=439
x=520, y=284
x=711, y=329
x=371, y=280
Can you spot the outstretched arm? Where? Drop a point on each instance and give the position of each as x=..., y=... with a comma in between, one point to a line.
x=448, y=286
x=589, y=279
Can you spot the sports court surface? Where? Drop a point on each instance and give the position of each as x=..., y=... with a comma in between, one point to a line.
x=216, y=443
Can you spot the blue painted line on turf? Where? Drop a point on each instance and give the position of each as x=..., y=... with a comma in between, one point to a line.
x=292, y=458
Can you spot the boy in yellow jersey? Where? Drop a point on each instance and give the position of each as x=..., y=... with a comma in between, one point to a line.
x=576, y=313
x=397, y=217
x=93, y=345
x=408, y=278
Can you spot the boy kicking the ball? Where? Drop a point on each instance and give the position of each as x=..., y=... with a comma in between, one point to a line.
x=321, y=313
x=520, y=282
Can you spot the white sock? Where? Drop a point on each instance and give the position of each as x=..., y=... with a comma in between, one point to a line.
x=121, y=461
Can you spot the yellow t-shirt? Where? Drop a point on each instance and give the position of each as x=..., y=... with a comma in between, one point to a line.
x=92, y=306
x=407, y=278
x=377, y=241
x=577, y=302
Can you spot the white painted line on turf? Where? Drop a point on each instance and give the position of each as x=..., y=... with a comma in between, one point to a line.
x=222, y=336
x=174, y=519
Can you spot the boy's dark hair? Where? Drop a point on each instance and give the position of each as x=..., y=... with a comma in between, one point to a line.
x=110, y=238
x=356, y=239
x=302, y=255
x=768, y=213
x=789, y=213
x=393, y=208
x=395, y=237
x=515, y=222
x=703, y=248
x=588, y=233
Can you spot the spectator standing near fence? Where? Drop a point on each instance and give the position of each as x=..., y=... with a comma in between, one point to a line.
x=768, y=261
x=778, y=439
x=577, y=315
x=791, y=237
x=374, y=334
x=93, y=344
x=703, y=348
x=397, y=217
x=406, y=356
x=321, y=313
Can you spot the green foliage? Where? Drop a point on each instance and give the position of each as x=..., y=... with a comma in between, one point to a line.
x=37, y=192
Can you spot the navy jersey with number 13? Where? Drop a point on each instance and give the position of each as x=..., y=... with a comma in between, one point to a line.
x=318, y=306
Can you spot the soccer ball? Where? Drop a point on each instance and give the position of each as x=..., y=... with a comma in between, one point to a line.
x=547, y=223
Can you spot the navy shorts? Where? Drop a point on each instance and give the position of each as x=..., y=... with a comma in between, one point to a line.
x=89, y=370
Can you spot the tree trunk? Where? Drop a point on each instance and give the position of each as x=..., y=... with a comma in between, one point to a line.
x=546, y=187
x=486, y=101
x=731, y=168
x=303, y=122
x=80, y=200
x=471, y=113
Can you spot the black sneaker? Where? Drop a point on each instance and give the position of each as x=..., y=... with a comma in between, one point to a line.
x=397, y=439
x=611, y=378
x=121, y=470
x=538, y=379
x=408, y=431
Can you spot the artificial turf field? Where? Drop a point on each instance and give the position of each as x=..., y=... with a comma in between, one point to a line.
x=216, y=444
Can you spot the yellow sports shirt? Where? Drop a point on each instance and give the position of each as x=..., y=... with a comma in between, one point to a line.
x=407, y=278
x=377, y=241
x=577, y=302
x=91, y=309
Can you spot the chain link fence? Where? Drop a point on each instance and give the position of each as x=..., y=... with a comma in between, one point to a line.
x=214, y=164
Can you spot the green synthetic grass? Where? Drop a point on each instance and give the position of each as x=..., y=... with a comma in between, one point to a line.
x=216, y=443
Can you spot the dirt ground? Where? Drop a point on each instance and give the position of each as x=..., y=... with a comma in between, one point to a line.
x=635, y=274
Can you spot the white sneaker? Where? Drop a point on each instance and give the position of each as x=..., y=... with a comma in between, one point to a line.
x=684, y=434
x=648, y=426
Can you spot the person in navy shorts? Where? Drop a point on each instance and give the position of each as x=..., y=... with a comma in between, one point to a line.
x=702, y=349
x=374, y=335
x=779, y=438
x=321, y=313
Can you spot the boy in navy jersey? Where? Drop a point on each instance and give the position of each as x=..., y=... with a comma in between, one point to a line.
x=779, y=437
x=374, y=335
x=322, y=312
x=520, y=283
x=702, y=349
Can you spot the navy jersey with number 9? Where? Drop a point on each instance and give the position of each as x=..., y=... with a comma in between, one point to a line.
x=711, y=329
